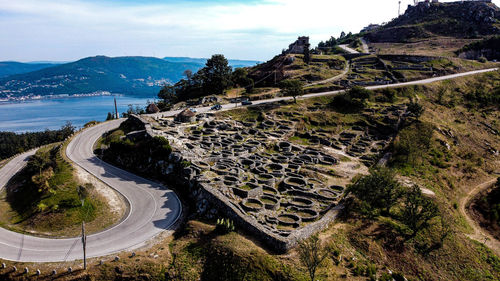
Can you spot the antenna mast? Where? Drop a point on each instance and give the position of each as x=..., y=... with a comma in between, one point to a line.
x=116, y=111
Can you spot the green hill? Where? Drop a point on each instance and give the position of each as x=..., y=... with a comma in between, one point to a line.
x=8, y=68
x=456, y=19
x=125, y=75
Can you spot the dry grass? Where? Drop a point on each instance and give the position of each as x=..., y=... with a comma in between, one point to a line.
x=440, y=46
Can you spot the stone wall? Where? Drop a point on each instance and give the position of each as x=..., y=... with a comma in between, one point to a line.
x=209, y=201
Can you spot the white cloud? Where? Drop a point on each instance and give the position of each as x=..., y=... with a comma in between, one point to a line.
x=70, y=29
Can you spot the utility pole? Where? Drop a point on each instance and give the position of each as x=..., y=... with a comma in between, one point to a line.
x=84, y=243
x=399, y=9
x=116, y=110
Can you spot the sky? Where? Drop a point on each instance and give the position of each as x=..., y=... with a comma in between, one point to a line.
x=67, y=30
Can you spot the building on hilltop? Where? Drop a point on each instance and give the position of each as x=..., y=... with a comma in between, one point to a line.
x=370, y=27
x=298, y=46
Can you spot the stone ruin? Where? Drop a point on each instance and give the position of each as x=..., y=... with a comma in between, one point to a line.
x=252, y=173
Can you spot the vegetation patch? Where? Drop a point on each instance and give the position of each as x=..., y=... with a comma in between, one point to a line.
x=46, y=199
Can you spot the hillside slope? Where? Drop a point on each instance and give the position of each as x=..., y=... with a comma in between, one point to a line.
x=456, y=19
x=124, y=75
x=8, y=68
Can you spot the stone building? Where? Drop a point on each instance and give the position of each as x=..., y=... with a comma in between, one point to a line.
x=152, y=108
x=186, y=116
x=298, y=46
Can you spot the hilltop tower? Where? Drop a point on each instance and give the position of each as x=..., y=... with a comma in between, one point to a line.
x=298, y=46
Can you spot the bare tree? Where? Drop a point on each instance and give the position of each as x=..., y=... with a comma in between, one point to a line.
x=312, y=254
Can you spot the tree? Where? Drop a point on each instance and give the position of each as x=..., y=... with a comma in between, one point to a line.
x=353, y=100
x=110, y=116
x=418, y=210
x=216, y=75
x=379, y=190
x=411, y=142
x=239, y=77
x=189, y=74
x=292, y=88
x=249, y=88
x=39, y=161
x=415, y=109
x=168, y=94
x=66, y=130
x=307, y=53
x=312, y=254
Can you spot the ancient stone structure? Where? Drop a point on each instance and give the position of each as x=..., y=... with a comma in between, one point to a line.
x=257, y=174
x=186, y=116
x=152, y=108
x=298, y=46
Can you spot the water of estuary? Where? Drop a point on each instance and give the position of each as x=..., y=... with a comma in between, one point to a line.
x=39, y=115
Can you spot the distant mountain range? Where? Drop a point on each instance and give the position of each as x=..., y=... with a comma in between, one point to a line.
x=8, y=68
x=233, y=63
x=134, y=76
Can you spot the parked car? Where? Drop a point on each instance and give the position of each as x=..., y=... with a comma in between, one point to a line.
x=216, y=107
x=193, y=110
x=246, y=102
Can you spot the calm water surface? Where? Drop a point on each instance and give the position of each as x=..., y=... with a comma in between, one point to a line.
x=51, y=114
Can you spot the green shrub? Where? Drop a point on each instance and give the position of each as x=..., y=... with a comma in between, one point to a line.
x=224, y=226
x=379, y=190
x=353, y=100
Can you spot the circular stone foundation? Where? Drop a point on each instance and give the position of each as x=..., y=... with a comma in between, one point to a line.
x=289, y=220
x=270, y=202
x=301, y=202
x=252, y=205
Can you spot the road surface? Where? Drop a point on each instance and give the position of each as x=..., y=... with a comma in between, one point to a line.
x=152, y=209
x=347, y=49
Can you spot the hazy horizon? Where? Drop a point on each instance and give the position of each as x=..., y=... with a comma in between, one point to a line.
x=41, y=30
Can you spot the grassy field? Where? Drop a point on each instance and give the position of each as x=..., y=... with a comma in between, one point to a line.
x=48, y=201
x=440, y=46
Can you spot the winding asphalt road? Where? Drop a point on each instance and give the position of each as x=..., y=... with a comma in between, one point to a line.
x=152, y=209
x=329, y=93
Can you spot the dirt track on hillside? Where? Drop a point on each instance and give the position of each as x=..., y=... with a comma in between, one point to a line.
x=480, y=234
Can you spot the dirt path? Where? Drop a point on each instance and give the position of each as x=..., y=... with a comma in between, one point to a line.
x=331, y=79
x=479, y=234
x=347, y=49
x=365, y=47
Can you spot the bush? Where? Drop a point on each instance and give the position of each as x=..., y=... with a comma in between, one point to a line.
x=224, y=226
x=412, y=143
x=387, y=95
x=418, y=210
x=353, y=100
x=377, y=191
